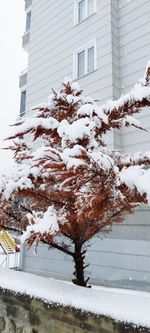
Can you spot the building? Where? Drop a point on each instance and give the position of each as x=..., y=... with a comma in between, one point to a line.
x=104, y=45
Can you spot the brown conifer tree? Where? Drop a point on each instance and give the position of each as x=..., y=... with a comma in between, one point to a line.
x=67, y=184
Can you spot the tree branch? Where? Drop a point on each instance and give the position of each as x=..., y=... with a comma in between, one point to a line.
x=61, y=248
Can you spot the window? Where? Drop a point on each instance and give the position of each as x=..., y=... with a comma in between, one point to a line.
x=81, y=63
x=85, y=60
x=90, y=60
x=83, y=9
x=28, y=21
x=23, y=103
x=90, y=7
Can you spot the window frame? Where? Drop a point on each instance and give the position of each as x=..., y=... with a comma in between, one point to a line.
x=27, y=27
x=76, y=11
x=84, y=10
x=85, y=47
x=23, y=102
x=28, y=20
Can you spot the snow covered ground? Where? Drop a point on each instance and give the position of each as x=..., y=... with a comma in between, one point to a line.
x=124, y=305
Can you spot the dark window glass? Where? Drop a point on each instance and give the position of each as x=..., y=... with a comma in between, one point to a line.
x=23, y=102
x=28, y=21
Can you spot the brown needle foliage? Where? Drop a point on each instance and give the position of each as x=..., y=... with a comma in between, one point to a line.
x=73, y=171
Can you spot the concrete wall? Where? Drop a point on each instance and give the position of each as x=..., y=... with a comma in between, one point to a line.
x=21, y=314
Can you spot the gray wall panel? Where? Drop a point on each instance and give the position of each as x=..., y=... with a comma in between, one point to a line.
x=124, y=263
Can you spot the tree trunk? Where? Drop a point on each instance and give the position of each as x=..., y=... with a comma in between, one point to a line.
x=79, y=257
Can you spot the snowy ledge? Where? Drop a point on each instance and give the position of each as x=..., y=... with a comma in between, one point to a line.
x=131, y=307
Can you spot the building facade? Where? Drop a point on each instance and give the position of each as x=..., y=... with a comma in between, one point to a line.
x=105, y=46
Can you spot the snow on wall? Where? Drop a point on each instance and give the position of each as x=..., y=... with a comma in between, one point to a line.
x=125, y=306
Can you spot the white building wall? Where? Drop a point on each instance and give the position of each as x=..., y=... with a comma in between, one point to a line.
x=122, y=30
x=54, y=38
x=134, y=53
x=134, y=31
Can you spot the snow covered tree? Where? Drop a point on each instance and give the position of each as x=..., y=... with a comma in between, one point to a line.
x=67, y=184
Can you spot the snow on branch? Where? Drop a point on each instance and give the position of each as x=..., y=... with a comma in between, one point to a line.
x=131, y=159
x=41, y=223
x=129, y=104
x=136, y=177
x=32, y=124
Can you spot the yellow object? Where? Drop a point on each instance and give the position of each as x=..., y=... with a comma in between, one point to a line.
x=7, y=243
x=9, y=240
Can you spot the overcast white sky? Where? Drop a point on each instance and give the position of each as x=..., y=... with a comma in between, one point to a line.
x=12, y=61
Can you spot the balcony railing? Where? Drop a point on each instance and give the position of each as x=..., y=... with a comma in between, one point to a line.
x=28, y=3
x=26, y=39
x=23, y=79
